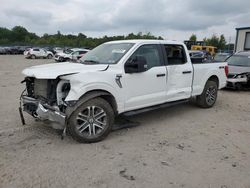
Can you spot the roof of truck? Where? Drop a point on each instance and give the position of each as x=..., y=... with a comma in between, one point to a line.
x=143, y=41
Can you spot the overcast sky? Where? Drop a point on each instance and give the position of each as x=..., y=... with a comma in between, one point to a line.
x=170, y=19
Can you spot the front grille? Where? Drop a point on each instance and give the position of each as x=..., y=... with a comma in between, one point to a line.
x=42, y=89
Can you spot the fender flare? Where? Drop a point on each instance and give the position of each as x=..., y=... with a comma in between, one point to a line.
x=86, y=97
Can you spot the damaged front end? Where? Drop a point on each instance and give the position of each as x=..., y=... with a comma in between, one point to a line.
x=44, y=100
x=237, y=81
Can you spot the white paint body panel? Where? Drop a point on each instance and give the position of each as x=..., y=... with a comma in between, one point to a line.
x=138, y=90
x=40, y=53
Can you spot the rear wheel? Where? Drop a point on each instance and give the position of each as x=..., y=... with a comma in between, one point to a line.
x=49, y=56
x=209, y=95
x=61, y=59
x=33, y=57
x=92, y=121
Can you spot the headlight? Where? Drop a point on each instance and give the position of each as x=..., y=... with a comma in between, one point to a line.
x=241, y=76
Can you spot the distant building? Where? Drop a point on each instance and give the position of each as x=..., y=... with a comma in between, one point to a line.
x=242, y=42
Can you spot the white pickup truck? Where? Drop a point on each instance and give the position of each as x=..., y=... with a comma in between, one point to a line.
x=119, y=77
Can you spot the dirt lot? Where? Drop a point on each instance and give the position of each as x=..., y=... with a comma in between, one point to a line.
x=181, y=146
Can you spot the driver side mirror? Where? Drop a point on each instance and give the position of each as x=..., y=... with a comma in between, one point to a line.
x=136, y=65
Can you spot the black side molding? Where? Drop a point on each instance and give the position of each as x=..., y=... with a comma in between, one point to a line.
x=168, y=104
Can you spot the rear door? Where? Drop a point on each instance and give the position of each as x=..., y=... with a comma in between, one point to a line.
x=75, y=55
x=43, y=53
x=146, y=88
x=180, y=72
x=36, y=52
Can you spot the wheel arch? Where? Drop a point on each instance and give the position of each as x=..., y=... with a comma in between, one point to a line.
x=91, y=95
x=215, y=79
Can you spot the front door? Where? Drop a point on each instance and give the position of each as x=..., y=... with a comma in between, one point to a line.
x=147, y=88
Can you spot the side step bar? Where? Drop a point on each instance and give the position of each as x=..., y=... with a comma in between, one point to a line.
x=147, y=109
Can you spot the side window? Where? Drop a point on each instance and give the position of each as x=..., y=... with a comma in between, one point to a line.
x=151, y=54
x=75, y=53
x=176, y=54
x=35, y=49
x=82, y=52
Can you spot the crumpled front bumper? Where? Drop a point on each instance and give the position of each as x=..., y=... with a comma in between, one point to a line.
x=232, y=82
x=43, y=111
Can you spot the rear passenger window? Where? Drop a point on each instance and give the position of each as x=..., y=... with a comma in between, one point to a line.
x=175, y=54
x=151, y=53
x=82, y=52
x=37, y=50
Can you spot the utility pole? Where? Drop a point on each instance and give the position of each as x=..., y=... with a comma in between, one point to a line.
x=229, y=44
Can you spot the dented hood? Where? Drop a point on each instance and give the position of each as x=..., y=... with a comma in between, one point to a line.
x=52, y=71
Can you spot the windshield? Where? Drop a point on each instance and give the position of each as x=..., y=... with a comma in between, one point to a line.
x=239, y=60
x=68, y=51
x=108, y=53
x=220, y=58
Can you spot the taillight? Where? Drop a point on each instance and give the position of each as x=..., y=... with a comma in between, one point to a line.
x=226, y=70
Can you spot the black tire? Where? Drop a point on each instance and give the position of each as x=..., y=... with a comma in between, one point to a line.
x=49, y=56
x=209, y=95
x=85, y=127
x=61, y=59
x=33, y=57
x=238, y=86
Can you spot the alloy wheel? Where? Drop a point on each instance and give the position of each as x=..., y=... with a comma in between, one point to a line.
x=211, y=95
x=91, y=121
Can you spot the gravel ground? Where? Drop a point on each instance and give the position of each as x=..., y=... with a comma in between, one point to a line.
x=181, y=146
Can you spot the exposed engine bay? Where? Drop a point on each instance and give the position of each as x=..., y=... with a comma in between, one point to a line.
x=44, y=99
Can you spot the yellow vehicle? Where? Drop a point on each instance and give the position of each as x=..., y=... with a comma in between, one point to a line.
x=211, y=49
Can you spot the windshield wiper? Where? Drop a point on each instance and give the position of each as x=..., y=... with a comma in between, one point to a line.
x=90, y=62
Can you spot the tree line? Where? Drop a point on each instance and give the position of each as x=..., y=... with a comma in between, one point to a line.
x=19, y=35
x=217, y=41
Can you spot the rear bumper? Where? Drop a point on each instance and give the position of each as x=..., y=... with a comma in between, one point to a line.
x=43, y=111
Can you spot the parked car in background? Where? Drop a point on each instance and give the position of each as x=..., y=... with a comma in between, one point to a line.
x=7, y=50
x=14, y=50
x=21, y=49
x=239, y=70
x=2, y=50
x=58, y=50
x=200, y=56
x=221, y=57
x=70, y=55
x=34, y=53
x=49, y=48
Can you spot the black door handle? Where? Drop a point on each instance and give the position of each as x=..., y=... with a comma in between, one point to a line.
x=186, y=72
x=160, y=75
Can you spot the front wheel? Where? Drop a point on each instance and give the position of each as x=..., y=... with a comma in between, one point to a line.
x=92, y=121
x=209, y=95
x=33, y=57
x=49, y=56
x=61, y=59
